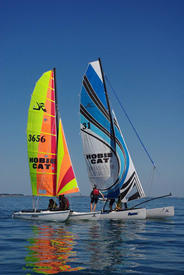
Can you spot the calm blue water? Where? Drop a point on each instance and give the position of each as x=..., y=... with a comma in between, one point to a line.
x=101, y=247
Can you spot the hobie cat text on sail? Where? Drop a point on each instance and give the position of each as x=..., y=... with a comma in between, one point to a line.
x=99, y=158
x=42, y=163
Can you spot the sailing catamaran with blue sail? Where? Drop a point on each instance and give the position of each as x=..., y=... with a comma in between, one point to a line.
x=50, y=166
x=109, y=164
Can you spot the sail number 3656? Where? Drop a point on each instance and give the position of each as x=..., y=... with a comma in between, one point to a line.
x=36, y=138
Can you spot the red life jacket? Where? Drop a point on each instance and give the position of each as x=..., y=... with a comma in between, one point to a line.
x=96, y=192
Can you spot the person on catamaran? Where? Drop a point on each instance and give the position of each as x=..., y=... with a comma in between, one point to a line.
x=52, y=205
x=125, y=205
x=95, y=194
x=63, y=203
x=111, y=202
x=119, y=205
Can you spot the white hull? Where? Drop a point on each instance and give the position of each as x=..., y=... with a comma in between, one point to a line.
x=157, y=213
x=43, y=215
x=62, y=216
x=88, y=216
x=133, y=214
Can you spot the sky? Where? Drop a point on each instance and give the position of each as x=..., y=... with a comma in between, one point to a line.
x=140, y=43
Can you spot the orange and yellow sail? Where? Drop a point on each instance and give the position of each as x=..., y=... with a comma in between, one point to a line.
x=50, y=165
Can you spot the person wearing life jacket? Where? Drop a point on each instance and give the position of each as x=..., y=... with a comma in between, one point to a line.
x=63, y=203
x=95, y=193
x=52, y=205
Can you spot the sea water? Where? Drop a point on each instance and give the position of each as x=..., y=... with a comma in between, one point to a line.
x=96, y=247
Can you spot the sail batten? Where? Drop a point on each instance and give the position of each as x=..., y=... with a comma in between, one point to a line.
x=44, y=142
x=108, y=161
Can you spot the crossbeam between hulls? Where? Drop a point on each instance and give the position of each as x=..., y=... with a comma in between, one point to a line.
x=160, y=197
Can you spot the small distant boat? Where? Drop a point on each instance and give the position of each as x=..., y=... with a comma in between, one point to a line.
x=110, y=166
x=50, y=166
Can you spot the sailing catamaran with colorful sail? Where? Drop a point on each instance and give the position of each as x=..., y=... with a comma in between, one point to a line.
x=50, y=165
x=108, y=160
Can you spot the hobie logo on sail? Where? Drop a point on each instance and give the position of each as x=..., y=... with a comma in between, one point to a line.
x=99, y=158
x=40, y=106
x=42, y=163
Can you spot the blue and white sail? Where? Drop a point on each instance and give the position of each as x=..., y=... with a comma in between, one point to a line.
x=109, y=164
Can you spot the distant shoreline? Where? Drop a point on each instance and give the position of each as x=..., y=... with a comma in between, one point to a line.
x=10, y=195
x=22, y=195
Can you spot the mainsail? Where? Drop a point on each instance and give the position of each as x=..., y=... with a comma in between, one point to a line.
x=50, y=165
x=109, y=164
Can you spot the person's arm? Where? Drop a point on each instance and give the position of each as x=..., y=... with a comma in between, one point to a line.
x=101, y=195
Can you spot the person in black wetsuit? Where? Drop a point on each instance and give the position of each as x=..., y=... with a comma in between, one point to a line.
x=111, y=202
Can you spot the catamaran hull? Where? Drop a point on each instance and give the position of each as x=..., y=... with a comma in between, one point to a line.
x=43, y=215
x=134, y=214
x=88, y=216
x=158, y=213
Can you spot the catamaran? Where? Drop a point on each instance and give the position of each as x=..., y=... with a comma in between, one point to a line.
x=109, y=164
x=50, y=166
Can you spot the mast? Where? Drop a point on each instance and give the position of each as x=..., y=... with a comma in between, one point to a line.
x=108, y=105
x=57, y=124
x=56, y=104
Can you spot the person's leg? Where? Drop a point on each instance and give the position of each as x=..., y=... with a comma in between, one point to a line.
x=94, y=207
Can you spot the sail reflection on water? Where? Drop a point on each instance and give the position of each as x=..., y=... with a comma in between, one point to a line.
x=51, y=250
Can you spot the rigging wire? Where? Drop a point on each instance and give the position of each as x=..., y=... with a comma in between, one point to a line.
x=134, y=129
x=151, y=181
